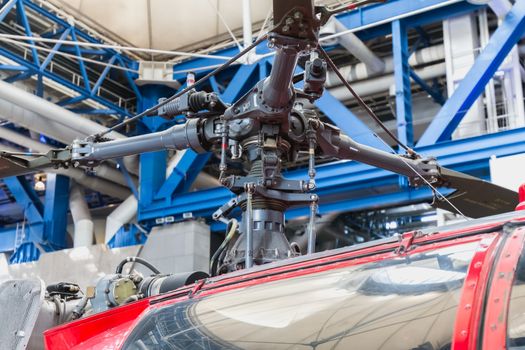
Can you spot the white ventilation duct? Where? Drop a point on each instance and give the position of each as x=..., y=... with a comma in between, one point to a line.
x=383, y=83
x=38, y=114
x=51, y=111
x=122, y=214
x=83, y=235
x=360, y=71
x=353, y=44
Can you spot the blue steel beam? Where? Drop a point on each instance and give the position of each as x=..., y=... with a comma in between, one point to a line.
x=367, y=22
x=55, y=211
x=433, y=92
x=470, y=88
x=26, y=197
x=33, y=66
x=405, y=130
x=375, y=20
x=8, y=6
x=55, y=48
x=46, y=223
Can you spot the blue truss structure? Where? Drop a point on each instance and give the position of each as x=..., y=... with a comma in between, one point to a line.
x=342, y=186
x=81, y=75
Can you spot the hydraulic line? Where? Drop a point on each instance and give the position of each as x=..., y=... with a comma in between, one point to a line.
x=138, y=260
x=231, y=230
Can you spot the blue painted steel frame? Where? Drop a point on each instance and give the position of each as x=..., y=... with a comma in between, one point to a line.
x=45, y=227
x=508, y=33
x=371, y=21
x=405, y=130
x=32, y=66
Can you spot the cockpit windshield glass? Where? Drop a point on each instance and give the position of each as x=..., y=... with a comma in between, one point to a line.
x=403, y=303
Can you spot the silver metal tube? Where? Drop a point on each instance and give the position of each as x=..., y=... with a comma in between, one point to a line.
x=246, y=23
x=311, y=227
x=175, y=137
x=248, y=258
x=83, y=236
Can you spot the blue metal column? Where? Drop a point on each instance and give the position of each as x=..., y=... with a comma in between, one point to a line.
x=56, y=205
x=487, y=63
x=45, y=225
x=405, y=128
x=153, y=164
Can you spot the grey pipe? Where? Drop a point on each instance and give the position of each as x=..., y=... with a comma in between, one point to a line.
x=356, y=47
x=51, y=111
x=361, y=71
x=38, y=114
x=383, y=83
x=83, y=236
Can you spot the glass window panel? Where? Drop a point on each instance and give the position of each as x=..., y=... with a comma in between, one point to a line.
x=403, y=303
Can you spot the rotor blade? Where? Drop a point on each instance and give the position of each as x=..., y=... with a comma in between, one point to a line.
x=12, y=163
x=475, y=197
x=9, y=168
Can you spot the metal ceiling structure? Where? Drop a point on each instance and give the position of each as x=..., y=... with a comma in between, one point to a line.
x=107, y=84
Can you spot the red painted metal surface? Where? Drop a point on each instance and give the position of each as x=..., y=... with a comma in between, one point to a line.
x=521, y=191
x=466, y=328
x=106, y=330
x=497, y=303
x=109, y=330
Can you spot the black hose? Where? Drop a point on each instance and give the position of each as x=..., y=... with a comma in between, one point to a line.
x=138, y=260
x=231, y=227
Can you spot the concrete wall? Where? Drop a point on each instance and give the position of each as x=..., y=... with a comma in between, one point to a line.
x=78, y=265
x=179, y=247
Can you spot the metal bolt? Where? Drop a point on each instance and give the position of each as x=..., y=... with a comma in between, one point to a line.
x=286, y=29
x=478, y=265
x=468, y=307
